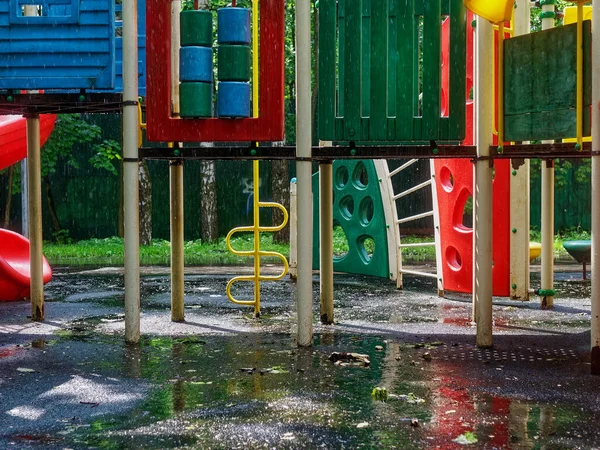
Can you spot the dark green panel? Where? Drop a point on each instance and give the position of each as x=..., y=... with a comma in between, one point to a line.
x=379, y=81
x=431, y=69
x=327, y=72
x=353, y=73
x=379, y=70
x=540, y=83
x=405, y=86
x=544, y=125
x=458, y=61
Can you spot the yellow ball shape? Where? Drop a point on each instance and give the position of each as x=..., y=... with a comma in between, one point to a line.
x=496, y=11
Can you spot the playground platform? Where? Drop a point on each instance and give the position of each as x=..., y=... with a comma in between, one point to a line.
x=222, y=379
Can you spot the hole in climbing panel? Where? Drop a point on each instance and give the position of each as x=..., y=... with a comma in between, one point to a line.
x=340, y=242
x=462, y=216
x=360, y=176
x=366, y=210
x=341, y=177
x=347, y=207
x=366, y=248
x=446, y=179
x=467, y=217
x=453, y=258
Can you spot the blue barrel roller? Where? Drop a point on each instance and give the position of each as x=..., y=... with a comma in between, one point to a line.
x=196, y=64
x=233, y=99
x=233, y=26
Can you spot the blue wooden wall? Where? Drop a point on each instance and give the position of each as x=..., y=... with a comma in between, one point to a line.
x=72, y=44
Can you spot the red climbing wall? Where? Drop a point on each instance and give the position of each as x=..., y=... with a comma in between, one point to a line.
x=454, y=187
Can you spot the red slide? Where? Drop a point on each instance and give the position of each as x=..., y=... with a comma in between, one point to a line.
x=15, y=268
x=14, y=248
x=13, y=137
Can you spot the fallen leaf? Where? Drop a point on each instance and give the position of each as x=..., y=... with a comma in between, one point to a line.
x=362, y=425
x=25, y=370
x=466, y=439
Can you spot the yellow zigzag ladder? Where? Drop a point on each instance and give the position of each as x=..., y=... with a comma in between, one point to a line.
x=256, y=203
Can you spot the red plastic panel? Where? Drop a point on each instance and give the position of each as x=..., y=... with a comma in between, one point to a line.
x=454, y=186
x=161, y=126
x=13, y=137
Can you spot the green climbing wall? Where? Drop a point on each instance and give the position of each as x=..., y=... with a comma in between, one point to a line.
x=380, y=70
x=540, y=84
x=358, y=209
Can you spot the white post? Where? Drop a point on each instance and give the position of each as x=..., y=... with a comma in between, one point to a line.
x=519, y=196
x=326, y=241
x=547, y=281
x=34, y=179
x=595, y=331
x=482, y=289
x=28, y=10
x=130, y=172
x=176, y=183
x=303, y=170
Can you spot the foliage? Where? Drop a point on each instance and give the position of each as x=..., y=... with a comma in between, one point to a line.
x=70, y=130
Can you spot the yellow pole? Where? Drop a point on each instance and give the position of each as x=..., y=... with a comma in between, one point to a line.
x=579, y=123
x=500, y=86
x=255, y=164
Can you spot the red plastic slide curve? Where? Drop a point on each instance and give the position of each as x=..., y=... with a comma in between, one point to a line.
x=13, y=137
x=15, y=267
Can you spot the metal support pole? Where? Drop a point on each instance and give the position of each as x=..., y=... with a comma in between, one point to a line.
x=519, y=196
x=34, y=178
x=595, y=326
x=303, y=170
x=130, y=172
x=326, y=241
x=482, y=290
x=177, y=244
x=176, y=184
x=547, y=275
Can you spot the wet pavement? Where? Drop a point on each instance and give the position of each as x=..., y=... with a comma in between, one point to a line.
x=223, y=380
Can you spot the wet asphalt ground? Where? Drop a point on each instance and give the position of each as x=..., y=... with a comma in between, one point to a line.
x=224, y=380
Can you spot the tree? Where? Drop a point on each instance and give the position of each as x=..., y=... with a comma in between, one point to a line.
x=70, y=129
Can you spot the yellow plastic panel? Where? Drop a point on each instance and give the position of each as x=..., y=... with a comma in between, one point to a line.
x=495, y=11
x=570, y=13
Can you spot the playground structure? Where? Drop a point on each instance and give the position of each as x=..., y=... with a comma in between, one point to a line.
x=383, y=109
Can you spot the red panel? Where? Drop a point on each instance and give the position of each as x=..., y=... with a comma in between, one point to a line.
x=454, y=186
x=13, y=137
x=162, y=127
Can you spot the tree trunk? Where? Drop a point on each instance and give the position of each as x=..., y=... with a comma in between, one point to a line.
x=280, y=186
x=145, y=204
x=51, y=206
x=208, y=201
x=11, y=171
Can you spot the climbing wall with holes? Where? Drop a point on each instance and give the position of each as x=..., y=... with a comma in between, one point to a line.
x=380, y=70
x=358, y=210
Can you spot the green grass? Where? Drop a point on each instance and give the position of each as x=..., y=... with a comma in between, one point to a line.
x=109, y=251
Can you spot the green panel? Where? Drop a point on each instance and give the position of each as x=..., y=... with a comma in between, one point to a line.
x=379, y=58
x=378, y=70
x=405, y=86
x=358, y=209
x=353, y=63
x=431, y=69
x=458, y=61
x=540, y=84
x=327, y=73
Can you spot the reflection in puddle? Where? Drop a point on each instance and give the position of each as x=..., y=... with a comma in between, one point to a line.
x=257, y=391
